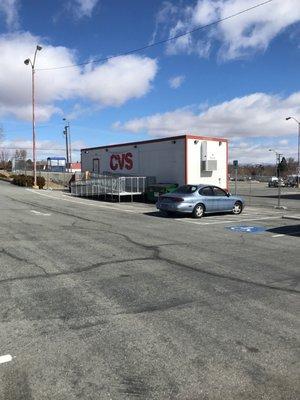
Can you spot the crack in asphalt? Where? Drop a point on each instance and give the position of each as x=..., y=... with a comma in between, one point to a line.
x=43, y=207
x=76, y=271
x=155, y=257
x=15, y=257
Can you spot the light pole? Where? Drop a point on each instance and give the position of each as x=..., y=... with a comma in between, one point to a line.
x=67, y=147
x=278, y=156
x=298, y=167
x=32, y=64
x=68, y=132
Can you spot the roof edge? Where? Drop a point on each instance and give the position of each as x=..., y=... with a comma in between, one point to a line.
x=164, y=139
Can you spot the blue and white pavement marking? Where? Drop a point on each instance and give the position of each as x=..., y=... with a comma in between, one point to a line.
x=246, y=229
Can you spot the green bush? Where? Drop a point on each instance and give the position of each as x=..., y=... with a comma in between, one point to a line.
x=28, y=181
x=40, y=181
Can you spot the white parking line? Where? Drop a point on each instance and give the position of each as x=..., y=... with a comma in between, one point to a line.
x=92, y=203
x=40, y=213
x=277, y=235
x=237, y=221
x=5, y=359
x=88, y=203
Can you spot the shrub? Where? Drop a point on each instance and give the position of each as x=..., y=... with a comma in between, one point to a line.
x=40, y=181
x=27, y=180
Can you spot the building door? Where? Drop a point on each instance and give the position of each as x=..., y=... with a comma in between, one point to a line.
x=96, y=165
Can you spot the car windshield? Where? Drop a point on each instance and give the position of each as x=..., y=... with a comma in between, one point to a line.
x=186, y=189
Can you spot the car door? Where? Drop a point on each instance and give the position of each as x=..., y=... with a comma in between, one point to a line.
x=208, y=198
x=223, y=202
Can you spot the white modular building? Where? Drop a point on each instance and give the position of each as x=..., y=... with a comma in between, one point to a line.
x=186, y=159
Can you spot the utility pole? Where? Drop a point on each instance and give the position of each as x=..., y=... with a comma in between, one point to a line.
x=236, y=165
x=32, y=64
x=67, y=147
x=278, y=158
x=68, y=130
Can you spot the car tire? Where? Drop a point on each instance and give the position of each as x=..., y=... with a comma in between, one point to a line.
x=237, y=208
x=198, y=211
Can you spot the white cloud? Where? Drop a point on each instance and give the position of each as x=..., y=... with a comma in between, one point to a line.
x=109, y=84
x=255, y=115
x=283, y=142
x=84, y=8
x=176, y=81
x=256, y=153
x=237, y=37
x=44, y=148
x=9, y=9
x=119, y=80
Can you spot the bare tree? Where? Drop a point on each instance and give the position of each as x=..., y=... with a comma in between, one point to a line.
x=20, y=159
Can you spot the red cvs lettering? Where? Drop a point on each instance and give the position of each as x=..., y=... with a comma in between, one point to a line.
x=121, y=161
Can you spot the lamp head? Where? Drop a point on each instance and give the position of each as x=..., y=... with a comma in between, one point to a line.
x=39, y=47
x=27, y=61
x=287, y=118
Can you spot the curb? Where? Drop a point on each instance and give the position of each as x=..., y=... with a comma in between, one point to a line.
x=295, y=217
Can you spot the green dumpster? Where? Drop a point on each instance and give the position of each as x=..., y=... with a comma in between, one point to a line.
x=154, y=191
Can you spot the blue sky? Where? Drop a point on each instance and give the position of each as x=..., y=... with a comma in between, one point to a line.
x=239, y=79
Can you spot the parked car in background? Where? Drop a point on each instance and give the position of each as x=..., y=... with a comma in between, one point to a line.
x=274, y=182
x=291, y=181
x=199, y=200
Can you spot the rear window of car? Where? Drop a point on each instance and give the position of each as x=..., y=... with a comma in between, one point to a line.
x=186, y=189
x=206, y=191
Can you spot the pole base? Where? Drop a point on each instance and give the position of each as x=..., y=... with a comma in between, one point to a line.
x=35, y=187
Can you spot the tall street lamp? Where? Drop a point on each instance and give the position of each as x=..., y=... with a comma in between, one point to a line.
x=278, y=159
x=298, y=167
x=32, y=64
x=68, y=133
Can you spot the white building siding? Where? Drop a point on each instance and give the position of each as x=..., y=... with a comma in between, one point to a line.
x=196, y=172
x=163, y=159
x=172, y=160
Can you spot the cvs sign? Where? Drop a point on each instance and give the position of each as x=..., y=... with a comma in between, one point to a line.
x=121, y=161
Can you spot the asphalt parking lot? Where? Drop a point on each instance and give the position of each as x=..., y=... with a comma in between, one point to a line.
x=259, y=194
x=115, y=301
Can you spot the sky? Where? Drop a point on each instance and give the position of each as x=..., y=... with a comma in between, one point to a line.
x=237, y=79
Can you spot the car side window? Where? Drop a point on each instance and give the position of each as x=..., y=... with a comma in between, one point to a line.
x=206, y=191
x=219, y=192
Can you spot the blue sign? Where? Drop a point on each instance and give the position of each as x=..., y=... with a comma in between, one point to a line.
x=246, y=229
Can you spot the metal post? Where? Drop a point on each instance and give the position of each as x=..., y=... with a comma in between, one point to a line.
x=279, y=185
x=70, y=147
x=67, y=147
x=235, y=182
x=32, y=64
x=250, y=191
x=33, y=127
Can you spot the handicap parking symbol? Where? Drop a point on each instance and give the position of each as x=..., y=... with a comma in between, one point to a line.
x=246, y=229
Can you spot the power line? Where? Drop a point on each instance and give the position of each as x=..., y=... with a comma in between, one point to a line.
x=159, y=42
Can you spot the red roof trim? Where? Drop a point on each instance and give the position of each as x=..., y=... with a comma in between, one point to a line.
x=216, y=139
x=165, y=139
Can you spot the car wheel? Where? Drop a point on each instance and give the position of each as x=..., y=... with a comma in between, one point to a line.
x=198, y=211
x=237, y=208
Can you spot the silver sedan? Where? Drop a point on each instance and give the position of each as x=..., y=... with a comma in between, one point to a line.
x=199, y=200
